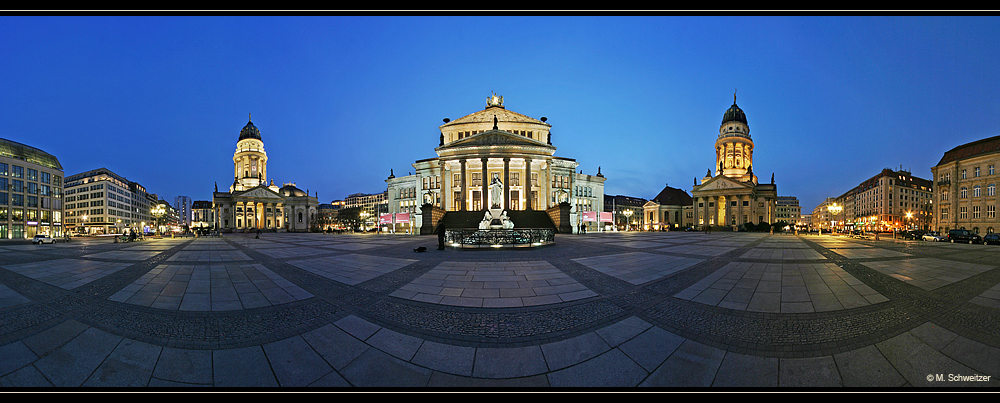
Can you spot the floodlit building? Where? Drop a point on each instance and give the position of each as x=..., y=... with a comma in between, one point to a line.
x=101, y=201
x=31, y=189
x=788, y=210
x=732, y=196
x=202, y=215
x=966, y=187
x=671, y=209
x=497, y=158
x=627, y=211
x=890, y=200
x=252, y=203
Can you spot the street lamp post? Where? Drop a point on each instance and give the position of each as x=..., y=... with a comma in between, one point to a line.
x=158, y=212
x=834, y=209
x=628, y=215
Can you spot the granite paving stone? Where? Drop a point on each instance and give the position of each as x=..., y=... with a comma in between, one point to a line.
x=610, y=310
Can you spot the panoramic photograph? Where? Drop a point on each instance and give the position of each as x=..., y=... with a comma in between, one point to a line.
x=499, y=203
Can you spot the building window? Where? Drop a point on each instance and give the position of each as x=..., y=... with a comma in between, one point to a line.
x=963, y=174
x=963, y=193
x=975, y=173
x=991, y=190
x=944, y=214
x=991, y=211
x=991, y=169
x=975, y=191
x=975, y=211
x=963, y=213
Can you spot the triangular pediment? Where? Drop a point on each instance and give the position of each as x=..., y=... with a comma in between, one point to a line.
x=495, y=138
x=722, y=182
x=260, y=192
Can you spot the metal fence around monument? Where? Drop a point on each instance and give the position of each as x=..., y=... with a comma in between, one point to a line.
x=499, y=238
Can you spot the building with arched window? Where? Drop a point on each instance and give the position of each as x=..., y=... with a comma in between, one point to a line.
x=252, y=203
x=496, y=158
x=966, y=181
x=732, y=195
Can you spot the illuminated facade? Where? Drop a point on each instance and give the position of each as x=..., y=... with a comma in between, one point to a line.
x=31, y=189
x=100, y=201
x=669, y=210
x=251, y=203
x=965, y=180
x=890, y=200
x=732, y=196
x=496, y=145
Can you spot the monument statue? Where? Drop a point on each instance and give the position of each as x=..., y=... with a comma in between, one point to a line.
x=496, y=193
x=487, y=219
x=505, y=221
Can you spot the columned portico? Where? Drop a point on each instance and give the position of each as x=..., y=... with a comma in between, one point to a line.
x=251, y=203
x=514, y=149
x=733, y=191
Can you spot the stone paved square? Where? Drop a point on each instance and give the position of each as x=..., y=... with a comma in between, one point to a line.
x=494, y=284
x=351, y=268
x=638, y=267
x=928, y=273
x=685, y=309
x=782, y=288
x=67, y=273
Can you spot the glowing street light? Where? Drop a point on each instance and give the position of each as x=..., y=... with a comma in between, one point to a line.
x=157, y=212
x=834, y=209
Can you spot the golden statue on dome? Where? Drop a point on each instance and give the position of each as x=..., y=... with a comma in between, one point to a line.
x=494, y=100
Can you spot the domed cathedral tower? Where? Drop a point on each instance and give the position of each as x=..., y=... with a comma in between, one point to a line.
x=249, y=160
x=732, y=197
x=252, y=204
x=734, y=147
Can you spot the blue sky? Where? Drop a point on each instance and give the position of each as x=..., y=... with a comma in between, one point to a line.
x=341, y=100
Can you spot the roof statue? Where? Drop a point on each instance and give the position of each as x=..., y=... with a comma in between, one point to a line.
x=772, y=178
x=494, y=100
x=495, y=122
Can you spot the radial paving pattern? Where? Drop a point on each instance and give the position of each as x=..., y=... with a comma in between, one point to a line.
x=666, y=309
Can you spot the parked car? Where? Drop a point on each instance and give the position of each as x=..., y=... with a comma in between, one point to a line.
x=933, y=236
x=991, y=239
x=40, y=239
x=963, y=235
x=915, y=235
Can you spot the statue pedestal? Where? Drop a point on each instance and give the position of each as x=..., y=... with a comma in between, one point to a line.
x=495, y=219
x=496, y=223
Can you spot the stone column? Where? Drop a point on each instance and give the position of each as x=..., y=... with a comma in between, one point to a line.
x=465, y=188
x=484, y=184
x=506, y=183
x=724, y=204
x=739, y=210
x=527, y=178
